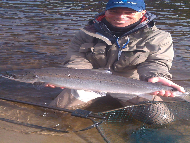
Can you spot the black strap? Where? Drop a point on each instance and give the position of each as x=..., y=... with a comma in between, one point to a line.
x=78, y=113
x=74, y=112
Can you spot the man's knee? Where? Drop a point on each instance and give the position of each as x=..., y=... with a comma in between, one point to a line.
x=74, y=99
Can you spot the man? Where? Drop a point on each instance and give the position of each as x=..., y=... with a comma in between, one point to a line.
x=124, y=40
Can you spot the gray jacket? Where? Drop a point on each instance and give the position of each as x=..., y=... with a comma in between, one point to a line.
x=149, y=52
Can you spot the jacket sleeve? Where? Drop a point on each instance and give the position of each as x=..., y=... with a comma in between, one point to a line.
x=75, y=58
x=159, y=61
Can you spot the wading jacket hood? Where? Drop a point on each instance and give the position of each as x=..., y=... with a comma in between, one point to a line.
x=143, y=52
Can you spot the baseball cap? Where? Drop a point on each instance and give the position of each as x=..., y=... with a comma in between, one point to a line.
x=137, y=5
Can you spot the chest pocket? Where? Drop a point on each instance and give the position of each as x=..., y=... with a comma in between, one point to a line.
x=130, y=59
x=95, y=54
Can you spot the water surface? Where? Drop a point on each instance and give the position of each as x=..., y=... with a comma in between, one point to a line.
x=36, y=34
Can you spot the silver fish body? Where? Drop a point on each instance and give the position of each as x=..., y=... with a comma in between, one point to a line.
x=85, y=79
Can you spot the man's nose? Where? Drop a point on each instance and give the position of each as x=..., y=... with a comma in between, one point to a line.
x=121, y=15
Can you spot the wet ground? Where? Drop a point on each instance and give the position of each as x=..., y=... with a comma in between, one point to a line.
x=36, y=34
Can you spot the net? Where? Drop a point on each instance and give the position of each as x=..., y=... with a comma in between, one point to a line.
x=148, y=122
x=151, y=122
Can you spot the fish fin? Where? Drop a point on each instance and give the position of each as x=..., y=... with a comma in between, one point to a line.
x=125, y=97
x=147, y=96
x=39, y=85
x=185, y=96
x=102, y=70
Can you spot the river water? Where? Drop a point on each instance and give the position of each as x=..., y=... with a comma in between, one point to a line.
x=36, y=34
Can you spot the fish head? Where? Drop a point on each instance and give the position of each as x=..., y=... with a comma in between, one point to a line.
x=21, y=75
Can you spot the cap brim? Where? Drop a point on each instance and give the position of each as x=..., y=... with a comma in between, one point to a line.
x=128, y=6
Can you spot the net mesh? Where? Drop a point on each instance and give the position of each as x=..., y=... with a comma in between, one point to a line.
x=150, y=122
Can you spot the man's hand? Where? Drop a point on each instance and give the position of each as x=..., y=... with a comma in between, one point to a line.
x=52, y=86
x=166, y=82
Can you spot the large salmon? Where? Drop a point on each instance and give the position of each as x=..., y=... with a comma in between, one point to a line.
x=84, y=79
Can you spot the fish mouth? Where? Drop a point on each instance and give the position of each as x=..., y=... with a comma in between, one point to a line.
x=17, y=77
x=8, y=75
x=11, y=75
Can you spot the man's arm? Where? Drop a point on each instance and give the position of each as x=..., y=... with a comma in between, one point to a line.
x=75, y=58
x=156, y=67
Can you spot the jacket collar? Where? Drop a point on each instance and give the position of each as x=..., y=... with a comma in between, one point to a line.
x=98, y=27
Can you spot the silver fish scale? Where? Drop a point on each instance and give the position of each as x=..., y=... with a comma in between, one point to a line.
x=85, y=79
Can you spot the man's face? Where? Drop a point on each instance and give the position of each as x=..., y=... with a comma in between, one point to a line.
x=122, y=17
